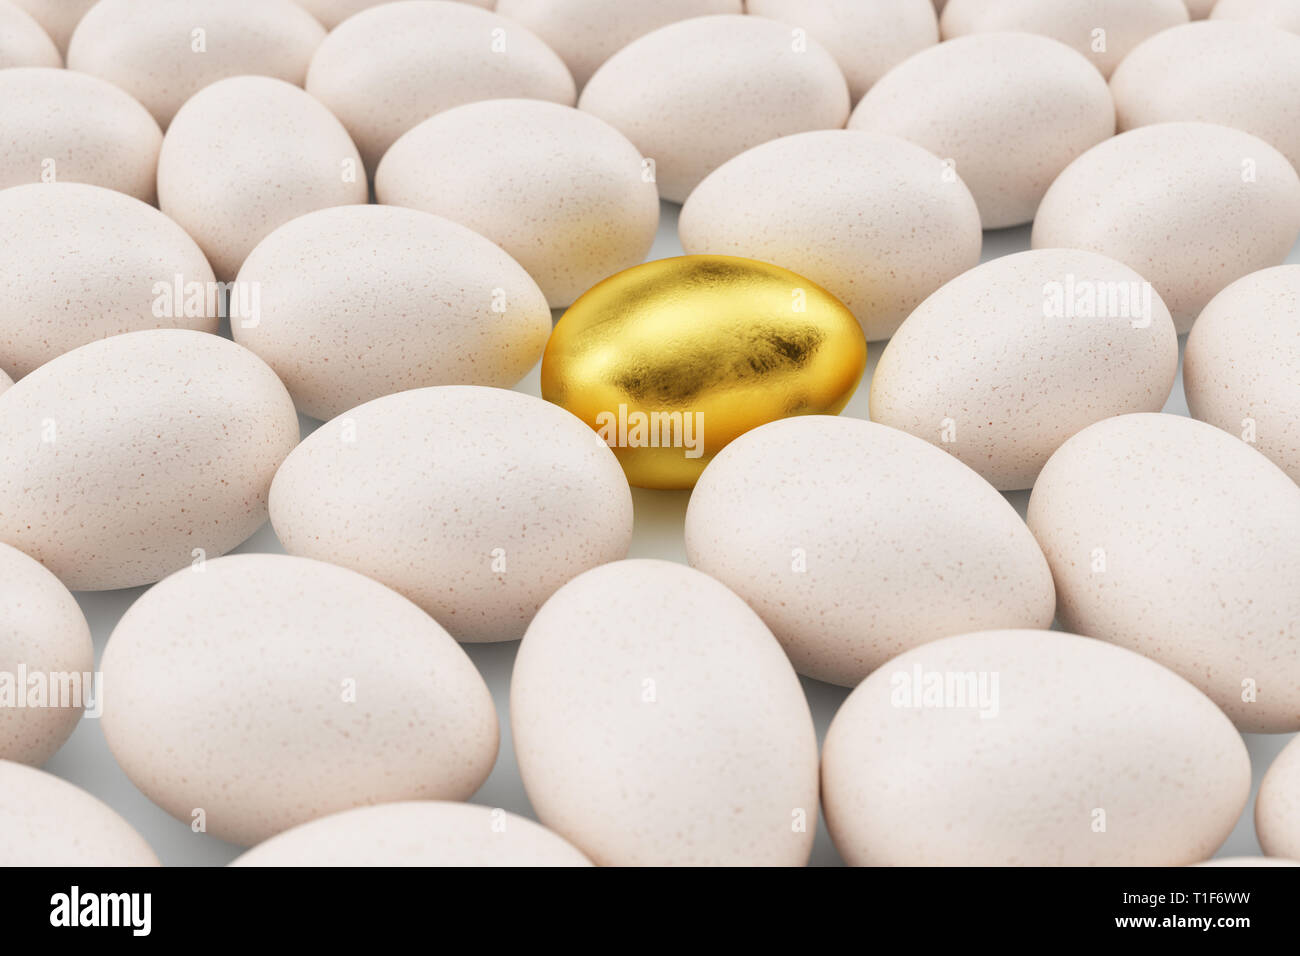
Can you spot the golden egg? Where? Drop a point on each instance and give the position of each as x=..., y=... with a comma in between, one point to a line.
x=670, y=360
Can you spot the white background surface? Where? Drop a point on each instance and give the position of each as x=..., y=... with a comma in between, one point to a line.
x=85, y=759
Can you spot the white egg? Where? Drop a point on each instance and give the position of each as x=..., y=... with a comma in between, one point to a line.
x=1030, y=748
x=1189, y=206
x=23, y=42
x=877, y=221
x=1181, y=542
x=569, y=200
x=1008, y=360
x=291, y=157
x=693, y=94
x=333, y=12
x=1277, y=807
x=57, y=17
x=261, y=691
x=1279, y=13
x=855, y=542
x=656, y=722
x=355, y=302
x=1009, y=111
x=476, y=503
x=130, y=457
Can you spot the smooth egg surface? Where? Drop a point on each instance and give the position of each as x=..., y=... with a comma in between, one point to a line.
x=1189, y=206
x=130, y=457
x=1277, y=808
x=1008, y=111
x=83, y=263
x=1181, y=542
x=333, y=12
x=693, y=94
x=476, y=503
x=1279, y=13
x=873, y=219
x=63, y=126
x=23, y=42
x=357, y=302
x=855, y=542
x=1030, y=748
x=674, y=734
x=672, y=359
x=569, y=200
x=423, y=833
x=57, y=17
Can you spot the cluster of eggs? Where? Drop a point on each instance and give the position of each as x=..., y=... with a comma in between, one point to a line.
x=171, y=171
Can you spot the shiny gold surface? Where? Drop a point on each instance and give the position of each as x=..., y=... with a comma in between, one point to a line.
x=699, y=347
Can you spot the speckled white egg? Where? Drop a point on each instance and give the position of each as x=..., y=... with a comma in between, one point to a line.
x=1242, y=74
x=164, y=53
x=130, y=457
x=294, y=689
x=1278, y=13
x=62, y=126
x=693, y=94
x=657, y=722
x=46, y=821
x=1102, y=30
x=568, y=198
x=1008, y=110
x=81, y=263
x=1008, y=360
x=356, y=302
x=23, y=42
x=1030, y=748
x=1277, y=808
x=585, y=33
x=1179, y=541
x=1241, y=371
x=855, y=542
x=333, y=12
x=1189, y=206
x=866, y=39
x=291, y=157
x=57, y=17
x=47, y=661
x=426, y=833
x=875, y=220
x=393, y=66
x=476, y=503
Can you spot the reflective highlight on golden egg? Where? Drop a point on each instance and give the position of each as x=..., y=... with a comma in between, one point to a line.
x=670, y=360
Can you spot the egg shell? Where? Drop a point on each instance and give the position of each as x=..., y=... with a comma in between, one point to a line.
x=268, y=690
x=58, y=125
x=1241, y=370
x=45, y=821
x=5, y=381
x=1029, y=748
x=1008, y=360
x=672, y=733
x=156, y=53
x=1277, y=807
x=1242, y=74
x=389, y=68
x=873, y=219
x=1009, y=110
x=855, y=542
x=1176, y=540
x=333, y=12
x=476, y=503
x=693, y=94
x=426, y=833
x=362, y=301
x=1123, y=24
x=672, y=359
x=866, y=39
x=46, y=656
x=1190, y=206
x=1278, y=13
x=22, y=40
x=567, y=200
x=585, y=33
x=82, y=263
x=57, y=18
x=291, y=157
x=127, y=458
